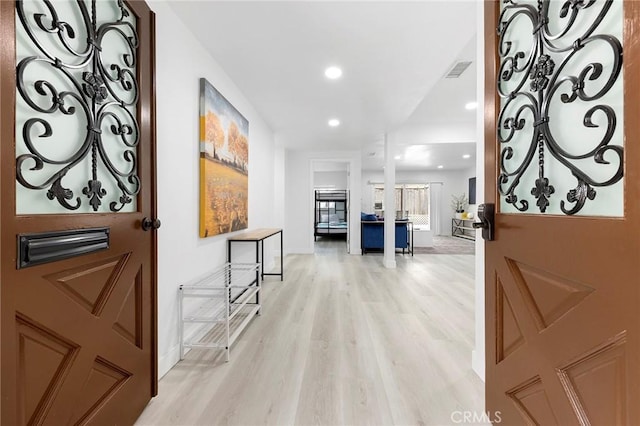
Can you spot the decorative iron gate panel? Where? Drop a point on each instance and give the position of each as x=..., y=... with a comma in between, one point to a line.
x=560, y=127
x=77, y=128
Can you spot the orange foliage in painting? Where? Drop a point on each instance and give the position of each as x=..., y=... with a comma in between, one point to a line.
x=238, y=145
x=234, y=135
x=214, y=133
x=243, y=149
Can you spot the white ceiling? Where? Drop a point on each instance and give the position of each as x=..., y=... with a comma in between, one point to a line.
x=394, y=55
x=440, y=130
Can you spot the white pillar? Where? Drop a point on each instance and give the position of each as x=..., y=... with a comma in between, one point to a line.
x=389, y=203
x=355, y=189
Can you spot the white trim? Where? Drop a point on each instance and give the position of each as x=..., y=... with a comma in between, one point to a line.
x=477, y=363
x=168, y=360
x=479, y=350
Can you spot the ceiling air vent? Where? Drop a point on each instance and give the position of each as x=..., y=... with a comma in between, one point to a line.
x=458, y=69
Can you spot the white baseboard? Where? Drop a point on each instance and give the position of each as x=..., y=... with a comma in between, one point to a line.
x=168, y=360
x=477, y=363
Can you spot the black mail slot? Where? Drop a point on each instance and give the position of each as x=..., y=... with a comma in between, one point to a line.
x=45, y=247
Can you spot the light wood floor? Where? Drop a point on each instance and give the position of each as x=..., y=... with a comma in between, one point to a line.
x=342, y=341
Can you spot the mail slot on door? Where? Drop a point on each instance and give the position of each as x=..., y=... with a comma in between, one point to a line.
x=45, y=247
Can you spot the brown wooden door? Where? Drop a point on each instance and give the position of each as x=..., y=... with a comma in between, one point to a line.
x=78, y=334
x=563, y=291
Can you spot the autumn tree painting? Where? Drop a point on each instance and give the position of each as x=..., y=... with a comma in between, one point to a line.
x=224, y=164
x=214, y=135
x=239, y=147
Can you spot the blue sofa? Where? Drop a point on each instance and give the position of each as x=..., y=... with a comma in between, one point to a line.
x=372, y=235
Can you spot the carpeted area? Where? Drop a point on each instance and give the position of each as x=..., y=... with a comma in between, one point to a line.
x=448, y=245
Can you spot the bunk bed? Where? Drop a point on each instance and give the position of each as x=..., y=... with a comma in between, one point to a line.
x=330, y=217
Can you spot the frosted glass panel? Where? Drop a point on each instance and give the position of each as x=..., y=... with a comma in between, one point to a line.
x=560, y=128
x=76, y=107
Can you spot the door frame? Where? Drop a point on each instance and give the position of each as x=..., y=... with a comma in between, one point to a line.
x=154, y=208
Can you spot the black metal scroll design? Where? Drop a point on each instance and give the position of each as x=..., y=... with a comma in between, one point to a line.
x=90, y=90
x=529, y=80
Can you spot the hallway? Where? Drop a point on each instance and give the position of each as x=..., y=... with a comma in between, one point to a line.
x=341, y=341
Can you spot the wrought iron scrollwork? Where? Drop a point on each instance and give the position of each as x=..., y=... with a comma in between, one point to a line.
x=525, y=107
x=95, y=91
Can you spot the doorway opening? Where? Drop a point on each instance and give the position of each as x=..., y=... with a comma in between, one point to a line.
x=331, y=206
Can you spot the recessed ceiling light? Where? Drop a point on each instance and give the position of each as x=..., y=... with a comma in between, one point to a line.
x=466, y=156
x=471, y=105
x=397, y=157
x=334, y=122
x=333, y=73
x=441, y=166
x=417, y=153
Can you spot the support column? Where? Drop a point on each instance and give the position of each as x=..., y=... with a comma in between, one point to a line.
x=389, y=203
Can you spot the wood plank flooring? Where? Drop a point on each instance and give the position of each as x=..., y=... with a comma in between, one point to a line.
x=342, y=341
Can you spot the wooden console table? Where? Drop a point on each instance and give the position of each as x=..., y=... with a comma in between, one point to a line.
x=258, y=236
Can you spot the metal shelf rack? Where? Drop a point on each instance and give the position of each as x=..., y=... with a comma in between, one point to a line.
x=459, y=226
x=214, y=310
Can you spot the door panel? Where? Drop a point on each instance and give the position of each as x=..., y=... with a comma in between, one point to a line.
x=562, y=293
x=78, y=335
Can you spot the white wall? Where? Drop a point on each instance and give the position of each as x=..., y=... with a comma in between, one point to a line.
x=299, y=197
x=453, y=182
x=182, y=255
x=331, y=180
x=478, y=354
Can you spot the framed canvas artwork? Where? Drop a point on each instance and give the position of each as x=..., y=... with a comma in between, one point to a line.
x=224, y=164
